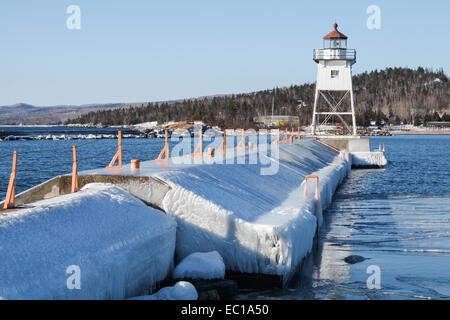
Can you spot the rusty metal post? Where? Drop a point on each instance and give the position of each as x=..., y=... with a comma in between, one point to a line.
x=317, y=195
x=165, y=150
x=241, y=144
x=285, y=138
x=277, y=140
x=223, y=145
x=74, y=171
x=135, y=163
x=118, y=155
x=198, y=152
x=119, y=151
x=10, y=194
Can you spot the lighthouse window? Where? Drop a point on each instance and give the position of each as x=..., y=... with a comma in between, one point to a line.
x=334, y=74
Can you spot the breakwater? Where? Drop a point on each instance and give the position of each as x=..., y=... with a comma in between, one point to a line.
x=259, y=210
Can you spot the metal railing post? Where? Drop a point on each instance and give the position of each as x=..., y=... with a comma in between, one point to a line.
x=317, y=195
x=118, y=155
x=74, y=171
x=199, y=149
x=165, y=150
x=10, y=194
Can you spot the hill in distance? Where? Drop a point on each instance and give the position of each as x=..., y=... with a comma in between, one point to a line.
x=27, y=114
x=392, y=95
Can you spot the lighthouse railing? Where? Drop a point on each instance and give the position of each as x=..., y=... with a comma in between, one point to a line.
x=334, y=54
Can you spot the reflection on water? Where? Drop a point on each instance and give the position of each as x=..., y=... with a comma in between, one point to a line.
x=408, y=238
x=398, y=218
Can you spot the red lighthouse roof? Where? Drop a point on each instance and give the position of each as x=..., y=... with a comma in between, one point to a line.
x=335, y=34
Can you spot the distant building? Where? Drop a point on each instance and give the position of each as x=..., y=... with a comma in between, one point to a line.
x=439, y=124
x=277, y=121
x=374, y=128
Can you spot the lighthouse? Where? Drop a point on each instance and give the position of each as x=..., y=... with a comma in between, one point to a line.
x=334, y=89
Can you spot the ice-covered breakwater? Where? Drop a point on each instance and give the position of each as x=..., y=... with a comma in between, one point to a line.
x=98, y=243
x=259, y=223
x=374, y=159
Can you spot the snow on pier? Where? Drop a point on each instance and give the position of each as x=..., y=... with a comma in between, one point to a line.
x=374, y=159
x=258, y=223
x=118, y=246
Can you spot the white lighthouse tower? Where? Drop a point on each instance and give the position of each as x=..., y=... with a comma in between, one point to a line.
x=334, y=82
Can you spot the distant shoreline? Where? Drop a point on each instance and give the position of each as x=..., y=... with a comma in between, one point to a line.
x=396, y=133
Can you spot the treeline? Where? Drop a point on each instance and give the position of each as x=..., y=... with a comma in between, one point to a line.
x=393, y=95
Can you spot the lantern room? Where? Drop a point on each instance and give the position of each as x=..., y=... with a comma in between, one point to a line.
x=335, y=40
x=335, y=48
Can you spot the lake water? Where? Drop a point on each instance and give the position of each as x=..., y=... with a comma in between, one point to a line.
x=40, y=160
x=398, y=217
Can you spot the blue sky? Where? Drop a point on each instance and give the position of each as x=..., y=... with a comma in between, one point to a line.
x=136, y=51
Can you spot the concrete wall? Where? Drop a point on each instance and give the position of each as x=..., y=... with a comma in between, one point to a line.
x=148, y=189
x=359, y=145
x=350, y=144
x=340, y=144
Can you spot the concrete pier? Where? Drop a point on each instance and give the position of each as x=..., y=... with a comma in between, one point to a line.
x=260, y=224
x=152, y=190
x=97, y=243
x=148, y=189
x=359, y=148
